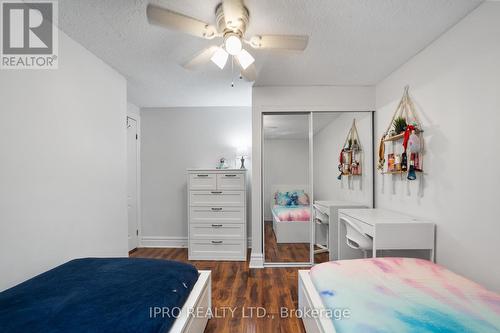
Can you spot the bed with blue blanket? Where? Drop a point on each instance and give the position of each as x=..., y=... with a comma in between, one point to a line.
x=105, y=295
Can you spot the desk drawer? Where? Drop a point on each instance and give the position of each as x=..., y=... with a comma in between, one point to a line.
x=202, y=181
x=217, y=249
x=231, y=181
x=229, y=231
x=217, y=198
x=217, y=215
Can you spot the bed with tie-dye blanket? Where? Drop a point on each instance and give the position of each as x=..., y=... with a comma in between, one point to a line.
x=404, y=295
x=292, y=213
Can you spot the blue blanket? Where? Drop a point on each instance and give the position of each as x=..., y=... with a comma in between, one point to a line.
x=98, y=295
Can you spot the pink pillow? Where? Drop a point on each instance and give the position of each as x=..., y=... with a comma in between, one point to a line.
x=303, y=199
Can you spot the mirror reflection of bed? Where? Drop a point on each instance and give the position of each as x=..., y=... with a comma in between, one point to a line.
x=288, y=233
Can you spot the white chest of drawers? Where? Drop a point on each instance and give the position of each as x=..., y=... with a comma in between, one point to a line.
x=217, y=214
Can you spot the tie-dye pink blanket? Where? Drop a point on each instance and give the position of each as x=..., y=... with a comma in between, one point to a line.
x=404, y=295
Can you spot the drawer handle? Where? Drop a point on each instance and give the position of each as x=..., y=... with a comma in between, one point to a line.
x=216, y=208
x=216, y=192
x=216, y=225
x=216, y=242
x=201, y=175
x=230, y=175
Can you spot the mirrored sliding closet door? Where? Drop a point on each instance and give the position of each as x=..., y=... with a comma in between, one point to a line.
x=286, y=188
x=343, y=179
x=314, y=164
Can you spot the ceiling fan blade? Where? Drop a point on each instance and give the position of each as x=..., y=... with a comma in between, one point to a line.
x=180, y=22
x=250, y=73
x=284, y=42
x=233, y=13
x=200, y=59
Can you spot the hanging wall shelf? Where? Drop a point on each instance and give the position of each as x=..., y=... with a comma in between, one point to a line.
x=350, y=155
x=405, y=141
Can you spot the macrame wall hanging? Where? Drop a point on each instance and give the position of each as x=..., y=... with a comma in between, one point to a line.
x=350, y=155
x=404, y=141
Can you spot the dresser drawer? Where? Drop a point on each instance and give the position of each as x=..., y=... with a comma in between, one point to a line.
x=217, y=249
x=202, y=181
x=231, y=181
x=217, y=231
x=216, y=215
x=217, y=198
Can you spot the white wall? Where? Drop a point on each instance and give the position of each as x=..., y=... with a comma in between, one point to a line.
x=455, y=83
x=133, y=110
x=327, y=145
x=293, y=99
x=286, y=162
x=62, y=173
x=174, y=139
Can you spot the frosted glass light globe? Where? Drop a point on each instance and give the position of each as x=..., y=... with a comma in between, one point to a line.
x=233, y=45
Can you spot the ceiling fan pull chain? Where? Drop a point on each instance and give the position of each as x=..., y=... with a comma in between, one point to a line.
x=232, y=72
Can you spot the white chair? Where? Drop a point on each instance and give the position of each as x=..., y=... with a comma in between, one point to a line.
x=356, y=238
x=321, y=219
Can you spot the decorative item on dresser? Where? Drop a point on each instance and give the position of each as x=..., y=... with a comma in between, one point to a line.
x=217, y=214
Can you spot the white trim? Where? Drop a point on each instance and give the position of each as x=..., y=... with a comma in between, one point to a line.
x=171, y=242
x=256, y=260
x=162, y=241
x=312, y=231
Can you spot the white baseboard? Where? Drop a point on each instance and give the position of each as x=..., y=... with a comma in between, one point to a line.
x=171, y=242
x=256, y=260
x=160, y=241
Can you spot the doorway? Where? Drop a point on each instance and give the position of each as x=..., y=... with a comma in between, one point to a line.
x=132, y=183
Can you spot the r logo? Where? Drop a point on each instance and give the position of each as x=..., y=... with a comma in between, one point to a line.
x=27, y=27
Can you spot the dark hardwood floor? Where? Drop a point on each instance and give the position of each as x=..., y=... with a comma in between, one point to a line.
x=287, y=252
x=237, y=287
x=234, y=285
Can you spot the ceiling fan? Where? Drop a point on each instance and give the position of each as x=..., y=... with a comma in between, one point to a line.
x=232, y=19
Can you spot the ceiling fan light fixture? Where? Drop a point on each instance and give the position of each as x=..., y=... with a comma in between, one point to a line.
x=233, y=44
x=245, y=59
x=220, y=57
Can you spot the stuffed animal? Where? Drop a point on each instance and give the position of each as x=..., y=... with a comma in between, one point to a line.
x=414, y=143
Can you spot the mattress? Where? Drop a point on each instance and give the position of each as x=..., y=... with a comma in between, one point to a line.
x=296, y=213
x=98, y=295
x=404, y=295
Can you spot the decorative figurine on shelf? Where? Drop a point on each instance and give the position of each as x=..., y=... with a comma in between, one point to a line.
x=222, y=164
x=411, y=142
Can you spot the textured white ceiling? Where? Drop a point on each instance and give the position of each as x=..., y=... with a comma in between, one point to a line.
x=352, y=42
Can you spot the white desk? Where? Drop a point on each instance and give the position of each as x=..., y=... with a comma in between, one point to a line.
x=390, y=231
x=330, y=209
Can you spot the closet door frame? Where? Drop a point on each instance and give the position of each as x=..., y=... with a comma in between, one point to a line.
x=310, y=114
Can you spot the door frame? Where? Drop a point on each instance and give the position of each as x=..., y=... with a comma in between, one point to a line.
x=137, y=119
